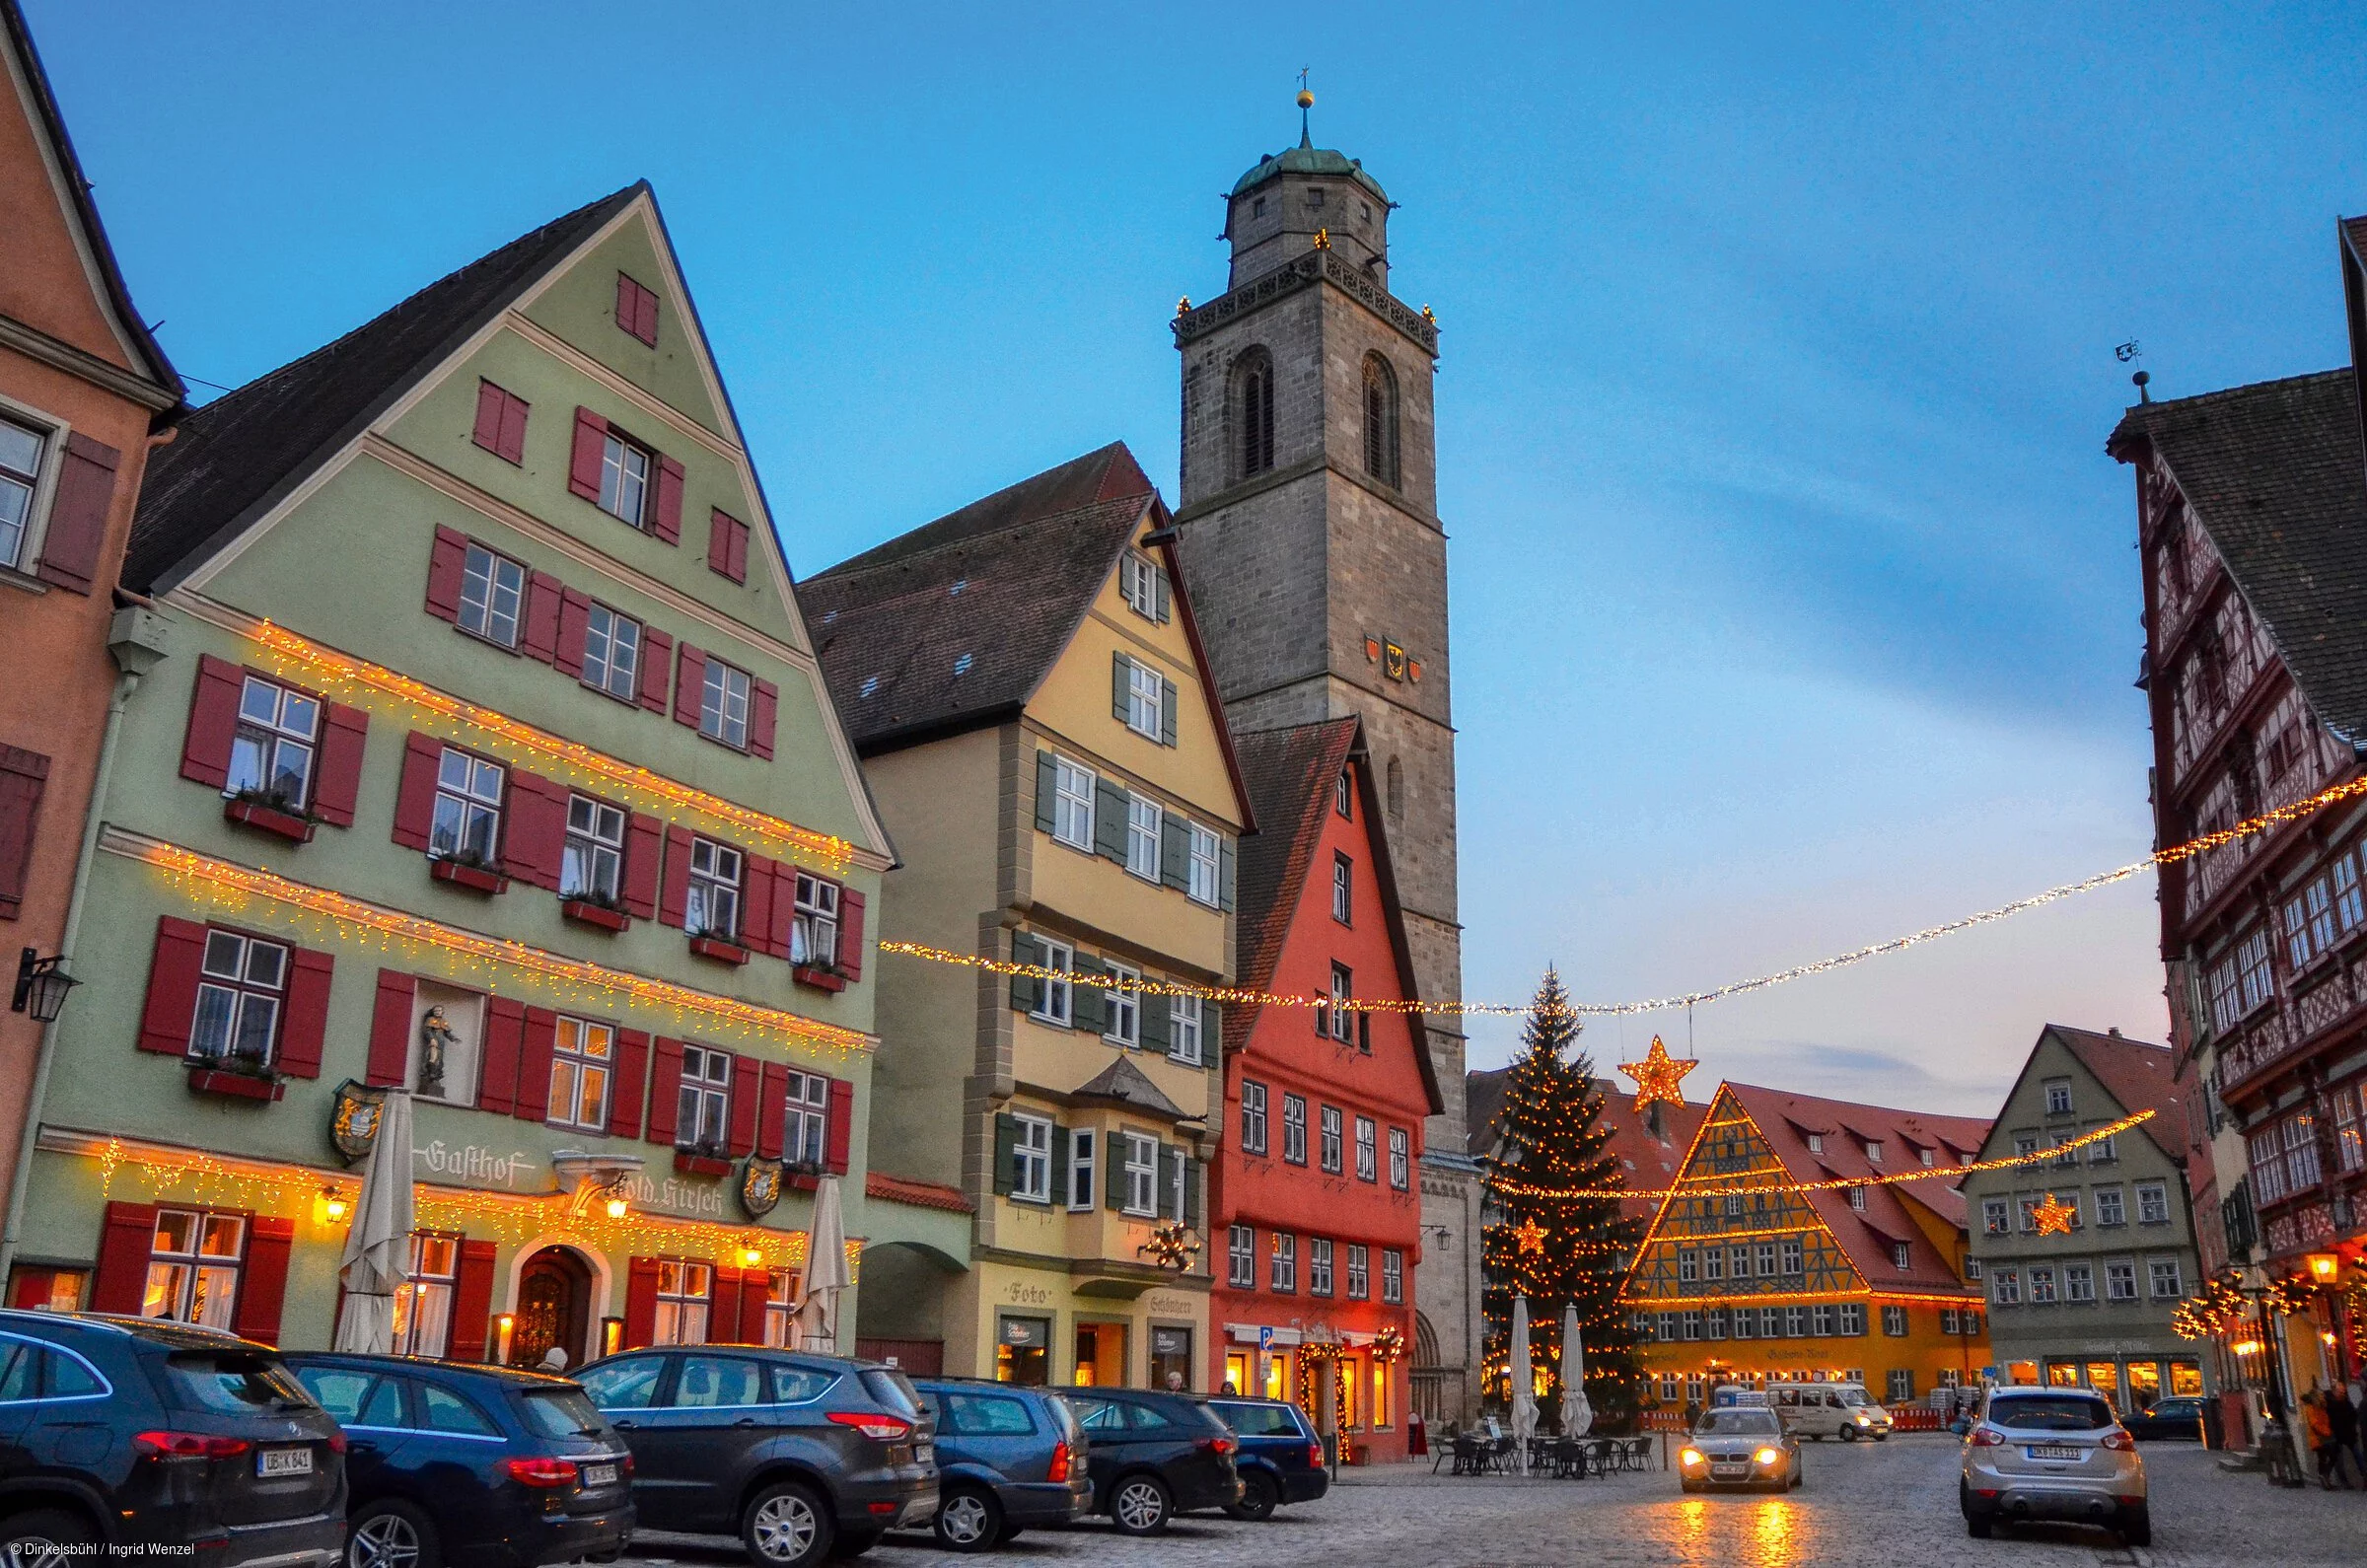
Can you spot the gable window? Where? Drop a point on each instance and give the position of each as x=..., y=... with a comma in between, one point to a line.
x=21, y=453
x=1360, y=1283
x=624, y=469
x=1400, y=1157
x=1142, y=1175
x=593, y=860
x=1341, y=1018
x=2058, y=1097
x=612, y=653
x=1368, y=1152
x=1183, y=1029
x=683, y=1291
x=805, y=1124
x=1393, y=1275
x=272, y=749
x=1142, y=583
x=1815, y=1143
x=1794, y=1255
x=637, y=310
x=1255, y=442
x=581, y=1060
x=423, y=1310
x=1294, y=1130
x=713, y=909
x=1765, y=1254
x=194, y=1263
x=703, y=1114
x=2109, y=1207
x=1342, y=887
x=241, y=986
x=1996, y=1219
x=1032, y=1160
x=492, y=590
x=1343, y=794
x=1253, y=1117
x=1240, y=1257
x=1319, y=1265
x=1142, y=837
x=1122, y=1006
x=1052, y=996
x=2153, y=1197
x=500, y=422
x=2101, y=1151
x=1205, y=869
x=1072, y=804
x=467, y=823
x=2025, y=1143
x=1688, y=1265
x=1145, y=700
x=813, y=937
x=1283, y=1275
x=723, y=704
x=1333, y=1153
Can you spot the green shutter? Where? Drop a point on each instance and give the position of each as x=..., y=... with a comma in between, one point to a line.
x=1047, y=791
x=1089, y=1007
x=1025, y=948
x=1171, y=1173
x=1119, y=667
x=1191, y=1193
x=1113, y=1154
x=1060, y=1166
x=1224, y=877
x=1110, y=819
x=1006, y=1153
x=1162, y=589
x=1212, y=1034
x=1157, y=1031
x=1167, y=711
x=1175, y=851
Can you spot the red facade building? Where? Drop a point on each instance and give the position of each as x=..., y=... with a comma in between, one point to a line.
x=1314, y=1196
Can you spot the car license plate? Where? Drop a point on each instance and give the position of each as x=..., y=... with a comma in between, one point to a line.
x=600, y=1476
x=1729, y=1473
x=2054, y=1450
x=283, y=1461
x=925, y=1452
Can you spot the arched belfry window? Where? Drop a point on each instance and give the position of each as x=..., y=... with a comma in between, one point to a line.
x=1253, y=413
x=1380, y=420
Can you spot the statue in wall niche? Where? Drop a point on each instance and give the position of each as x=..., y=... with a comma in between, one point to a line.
x=436, y=1037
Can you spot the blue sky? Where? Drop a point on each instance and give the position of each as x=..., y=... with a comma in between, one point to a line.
x=1794, y=602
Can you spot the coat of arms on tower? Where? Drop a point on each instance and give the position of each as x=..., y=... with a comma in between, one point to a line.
x=1393, y=661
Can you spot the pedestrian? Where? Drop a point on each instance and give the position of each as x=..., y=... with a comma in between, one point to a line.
x=2343, y=1420
x=1174, y=1382
x=554, y=1361
x=2322, y=1436
x=1227, y=1387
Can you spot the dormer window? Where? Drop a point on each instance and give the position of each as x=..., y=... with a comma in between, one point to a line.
x=1815, y=1143
x=1873, y=1151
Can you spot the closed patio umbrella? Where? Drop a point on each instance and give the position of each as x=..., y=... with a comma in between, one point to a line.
x=378, y=1249
x=1523, y=1385
x=826, y=1273
x=1577, y=1417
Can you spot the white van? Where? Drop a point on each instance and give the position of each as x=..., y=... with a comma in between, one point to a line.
x=1830, y=1409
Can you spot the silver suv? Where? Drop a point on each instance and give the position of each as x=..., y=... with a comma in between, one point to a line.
x=2057, y=1453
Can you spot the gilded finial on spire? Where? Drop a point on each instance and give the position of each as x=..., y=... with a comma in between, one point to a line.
x=1305, y=103
x=1323, y=238
x=1183, y=306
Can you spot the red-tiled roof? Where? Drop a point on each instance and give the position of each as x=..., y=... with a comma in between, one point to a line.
x=919, y=1194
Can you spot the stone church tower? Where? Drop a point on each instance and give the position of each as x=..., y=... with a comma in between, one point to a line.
x=1318, y=566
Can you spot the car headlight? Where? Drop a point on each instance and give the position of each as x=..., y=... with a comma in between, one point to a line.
x=1690, y=1457
x=1768, y=1456
x=1864, y=1419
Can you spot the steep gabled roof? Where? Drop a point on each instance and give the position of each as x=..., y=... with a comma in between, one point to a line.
x=241, y=452
x=2274, y=474
x=1123, y=1083
x=2137, y=1074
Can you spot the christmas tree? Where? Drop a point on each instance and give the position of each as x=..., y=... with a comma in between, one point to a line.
x=1556, y=1251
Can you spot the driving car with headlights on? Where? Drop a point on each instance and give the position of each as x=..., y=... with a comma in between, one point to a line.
x=1746, y=1447
x=2053, y=1453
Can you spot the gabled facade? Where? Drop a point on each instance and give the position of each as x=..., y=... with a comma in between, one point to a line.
x=1027, y=686
x=2090, y=1306
x=489, y=760
x=1865, y=1282
x=1313, y=1195
x=85, y=393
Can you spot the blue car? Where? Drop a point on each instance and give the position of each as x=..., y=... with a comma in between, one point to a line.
x=1008, y=1458
x=471, y=1465
x=1281, y=1459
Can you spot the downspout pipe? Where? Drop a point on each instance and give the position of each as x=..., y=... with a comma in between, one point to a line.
x=137, y=639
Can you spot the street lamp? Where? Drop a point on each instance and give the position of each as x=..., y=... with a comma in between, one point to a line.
x=41, y=986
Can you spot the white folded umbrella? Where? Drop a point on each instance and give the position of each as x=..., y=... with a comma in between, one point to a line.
x=377, y=1248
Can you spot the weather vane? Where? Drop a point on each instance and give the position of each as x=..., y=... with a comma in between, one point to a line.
x=2127, y=351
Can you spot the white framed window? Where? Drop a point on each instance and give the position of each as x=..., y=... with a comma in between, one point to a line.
x=1146, y=701
x=193, y=1262
x=1142, y=1175
x=684, y=1291
x=1400, y=1157
x=1121, y=1006
x=723, y=704
x=1688, y=1265
x=1766, y=1260
x=1319, y=1265
x=1207, y=868
x=1339, y=1018
x=1343, y=888
x=1072, y=804
x=612, y=653
x=1815, y=1143
x=1183, y=1029
x=1240, y=1257
x=813, y=937
x=1360, y=1279
x=1253, y=1117
x=1343, y=794
x=1142, y=837
x=1820, y=1317
x=2120, y=1280
x=702, y=1118
x=781, y=1304
x=467, y=823
x=593, y=863
x=714, y=906
x=1368, y=1150
x=1874, y=1151
x=1294, y=1128
x=2058, y=1097
x=2164, y=1274
x=1080, y=1167
x=23, y=451
x=1713, y=1262
x=271, y=752
x=1054, y=998
x=2153, y=1197
x=2253, y=974
x=2042, y=1286
x=492, y=595
x=1996, y=1217
x=583, y=1055
x=1857, y=1198
x=1032, y=1161
x=2079, y=1282
x=1283, y=1273
x=1853, y=1317
x=624, y=480
x=242, y=986
x=423, y=1305
x=1139, y=581
x=1333, y=1153
x=806, y=1122
x=1894, y=1322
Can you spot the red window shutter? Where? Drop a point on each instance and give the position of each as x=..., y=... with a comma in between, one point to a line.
x=640, y=1302
x=674, y=907
x=644, y=837
x=213, y=722
x=513, y=429
x=646, y=324
x=745, y=1089
x=533, y=1064
x=738, y=571
x=772, y=1110
x=24, y=776
x=86, y=492
x=447, y=561
x=690, y=685
x=727, y=545
x=490, y=402
x=342, y=741
x=541, y=633
x=304, y=1029
x=667, y=521
x=756, y=902
x=505, y=1040
x=665, y=1090
x=472, y=1301
x=840, y=1132
x=591, y=441
x=574, y=627
x=624, y=1087
x=415, y=794
x=850, y=933
x=637, y=310
x=763, y=703
x=657, y=668
x=756, y=1289
x=723, y=1305
x=173, y=986
x=784, y=910
x=535, y=839
x=391, y=1031
x=264, y=1283
x=120, y=1281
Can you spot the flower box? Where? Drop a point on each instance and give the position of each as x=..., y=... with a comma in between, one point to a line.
x=692, y=1163
x=483, y=879
x=819, y=979
x=236, y=1085
x=800, y=1180
x=585, y=912
x=720, y=951
x=269, y=818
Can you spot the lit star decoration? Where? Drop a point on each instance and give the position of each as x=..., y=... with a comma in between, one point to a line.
x=2052, y=1218
x=1532, y=1237
x=1659, y=1078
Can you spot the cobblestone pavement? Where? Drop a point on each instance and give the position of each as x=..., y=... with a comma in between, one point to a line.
x=1863, y=1506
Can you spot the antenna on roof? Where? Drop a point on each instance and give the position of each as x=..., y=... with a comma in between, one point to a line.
x=2127, y=353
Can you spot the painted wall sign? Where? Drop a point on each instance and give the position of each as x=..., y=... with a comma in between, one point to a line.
x=475, y=1165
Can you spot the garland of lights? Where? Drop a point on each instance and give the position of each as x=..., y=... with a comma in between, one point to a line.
x=356, y=677
x=228, y=886
x=1388, y=1345
x=2221, y=1305
x=1316, y=1353
x=2247, y=828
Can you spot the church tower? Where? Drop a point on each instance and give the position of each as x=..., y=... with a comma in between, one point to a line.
x=1317, y=564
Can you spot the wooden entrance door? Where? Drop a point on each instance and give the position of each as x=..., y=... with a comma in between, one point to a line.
x=554, y=1299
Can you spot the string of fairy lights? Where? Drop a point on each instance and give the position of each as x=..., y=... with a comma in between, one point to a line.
x=2251, y=826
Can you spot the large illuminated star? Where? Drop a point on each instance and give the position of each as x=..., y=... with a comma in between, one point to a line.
x=1659, y=1077
x=2052, y=1218
x=1530, y=1236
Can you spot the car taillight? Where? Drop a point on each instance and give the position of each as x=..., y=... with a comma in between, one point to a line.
x=190, y=1445
x=1986, y=1436
x=1060, y=1469
x=885, y=1428
x=541, y=1470
x=2118, y=1439
x=1315, y=1454
x=1223, y=1445
x=336, y=1442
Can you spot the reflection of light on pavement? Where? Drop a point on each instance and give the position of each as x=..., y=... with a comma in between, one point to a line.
x=1692, y=1515
x=1775, y=1530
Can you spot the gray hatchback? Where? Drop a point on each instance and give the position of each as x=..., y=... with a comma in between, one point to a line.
x=2053, y=1453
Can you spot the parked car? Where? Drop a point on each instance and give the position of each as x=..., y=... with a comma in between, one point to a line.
x=1830, y=1409
x=2054, y=1453
x=801, y=1455
x=1743, y=1447
x=1280, y=1460
x=1008, y=1458
x=455, y=1461
x=1155, y=1455
x=128, y=1433
x=2179, y=1416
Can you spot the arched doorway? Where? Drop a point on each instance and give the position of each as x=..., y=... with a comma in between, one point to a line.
x=555, y=1307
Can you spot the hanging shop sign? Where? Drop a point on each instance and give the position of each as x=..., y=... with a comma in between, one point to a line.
x=354, y=1121
x=759, y=1185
